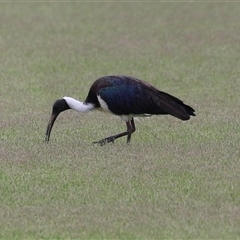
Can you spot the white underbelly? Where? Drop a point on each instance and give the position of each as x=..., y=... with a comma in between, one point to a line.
x=125, y=118
x=103, y=104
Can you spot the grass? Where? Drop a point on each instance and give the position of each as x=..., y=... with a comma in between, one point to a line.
x=176, y=179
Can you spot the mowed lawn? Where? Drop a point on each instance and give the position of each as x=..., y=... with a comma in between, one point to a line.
x=176, y=180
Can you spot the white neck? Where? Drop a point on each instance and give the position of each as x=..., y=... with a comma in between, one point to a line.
x=78, y=106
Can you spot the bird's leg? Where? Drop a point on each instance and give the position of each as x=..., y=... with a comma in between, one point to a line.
x=130, y=129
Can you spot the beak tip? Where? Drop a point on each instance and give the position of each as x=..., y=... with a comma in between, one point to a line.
x=46, y=139
x=49, y=127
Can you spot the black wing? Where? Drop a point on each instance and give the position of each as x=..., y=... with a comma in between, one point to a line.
x=127, y=95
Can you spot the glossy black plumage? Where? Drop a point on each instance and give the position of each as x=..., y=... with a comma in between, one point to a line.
x=126, y=97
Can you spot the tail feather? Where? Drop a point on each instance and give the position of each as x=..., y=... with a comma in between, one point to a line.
x=173, y=106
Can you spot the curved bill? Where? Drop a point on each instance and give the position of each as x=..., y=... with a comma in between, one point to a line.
x=50, y=125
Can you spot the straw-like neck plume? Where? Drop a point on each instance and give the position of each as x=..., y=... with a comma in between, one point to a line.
x=78, y=105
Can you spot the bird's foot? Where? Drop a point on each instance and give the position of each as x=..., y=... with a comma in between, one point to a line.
x=104, y=141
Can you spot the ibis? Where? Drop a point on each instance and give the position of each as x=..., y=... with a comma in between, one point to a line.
x=126, y=97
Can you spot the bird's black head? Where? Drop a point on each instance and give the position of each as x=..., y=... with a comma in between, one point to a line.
x=59, y=106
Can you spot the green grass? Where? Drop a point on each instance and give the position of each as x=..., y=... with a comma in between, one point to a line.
x=176, y=180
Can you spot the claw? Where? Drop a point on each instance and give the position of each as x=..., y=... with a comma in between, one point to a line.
x=104, y=141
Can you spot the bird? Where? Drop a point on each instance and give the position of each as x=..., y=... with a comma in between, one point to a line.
x=127, y=97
